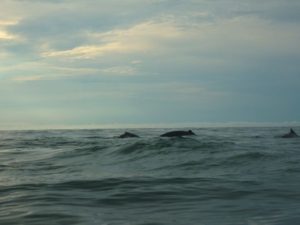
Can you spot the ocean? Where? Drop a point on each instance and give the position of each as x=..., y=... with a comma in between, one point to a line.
x=221, y=176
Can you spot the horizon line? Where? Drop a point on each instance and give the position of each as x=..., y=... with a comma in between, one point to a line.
x=149, y=125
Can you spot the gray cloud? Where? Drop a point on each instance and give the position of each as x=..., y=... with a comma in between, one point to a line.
x=277, y=11
x=65, y=25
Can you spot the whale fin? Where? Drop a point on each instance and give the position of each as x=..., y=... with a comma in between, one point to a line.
x=291, y=134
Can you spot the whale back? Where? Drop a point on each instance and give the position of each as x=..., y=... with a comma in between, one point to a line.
x=128, y=135
x=291, y=134
x=178, y=133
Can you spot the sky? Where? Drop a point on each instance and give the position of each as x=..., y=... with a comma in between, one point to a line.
x=107, y=63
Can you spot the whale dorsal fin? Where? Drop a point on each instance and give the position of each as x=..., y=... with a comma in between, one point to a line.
x=292, y=131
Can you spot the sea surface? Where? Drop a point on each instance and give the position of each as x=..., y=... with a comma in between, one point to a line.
x=222, y=176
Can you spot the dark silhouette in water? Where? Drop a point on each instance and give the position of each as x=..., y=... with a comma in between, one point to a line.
x=178, y=133
x=128, y=135
x=291, y=134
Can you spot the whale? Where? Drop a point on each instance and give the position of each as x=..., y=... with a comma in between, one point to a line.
x=128, y=135
x=291, y=134
x=178, y=133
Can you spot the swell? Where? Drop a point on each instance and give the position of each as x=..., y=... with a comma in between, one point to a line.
x=90, y=145
x=240, y=158
x=142, y=184
x=120, y=193
x=50, y=142
x=170, y=145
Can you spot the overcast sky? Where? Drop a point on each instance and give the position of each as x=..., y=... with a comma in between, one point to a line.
x=85, y=63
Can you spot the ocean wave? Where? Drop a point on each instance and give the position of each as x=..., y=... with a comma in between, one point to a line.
x=245, y=156
x=220, y=176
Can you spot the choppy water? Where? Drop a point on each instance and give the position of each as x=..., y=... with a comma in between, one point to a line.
x=231, y=176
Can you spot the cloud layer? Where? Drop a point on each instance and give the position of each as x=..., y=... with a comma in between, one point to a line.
x=155, y=61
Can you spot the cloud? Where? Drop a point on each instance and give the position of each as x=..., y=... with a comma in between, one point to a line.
x=70, y=17
x=8, y=22
x=6, y=36
x=120, y=70
x=170, y=47
x=139, y=38
x=88, y=51
x=277, y=11
x=27, y=78
x=35, y=71
x=4, y=33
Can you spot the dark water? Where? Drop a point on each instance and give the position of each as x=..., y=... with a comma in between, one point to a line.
x=221, y=176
